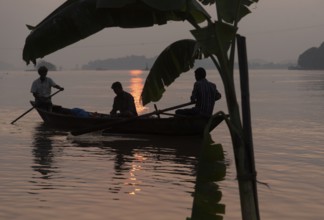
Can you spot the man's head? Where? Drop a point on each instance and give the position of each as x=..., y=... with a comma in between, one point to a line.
x=42, y=71
x=200, y=73
x=117, y=87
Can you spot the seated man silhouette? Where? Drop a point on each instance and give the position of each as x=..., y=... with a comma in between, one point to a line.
x=124, y=105
x=204, y=94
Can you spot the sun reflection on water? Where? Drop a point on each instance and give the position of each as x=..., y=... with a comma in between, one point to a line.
x=136, y=168
x=136, y=86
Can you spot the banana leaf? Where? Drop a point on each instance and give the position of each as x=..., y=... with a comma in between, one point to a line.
x=215, y=38
x=231, y=11
x=165, y=5
x=177, y=58
x=75, y=20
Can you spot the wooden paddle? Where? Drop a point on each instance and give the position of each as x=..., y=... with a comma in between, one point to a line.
x=32, y=108
x=125, y=120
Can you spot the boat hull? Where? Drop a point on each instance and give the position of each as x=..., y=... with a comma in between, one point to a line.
x=62, y=118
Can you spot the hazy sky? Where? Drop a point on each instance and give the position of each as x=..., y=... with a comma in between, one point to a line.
x=277, y=30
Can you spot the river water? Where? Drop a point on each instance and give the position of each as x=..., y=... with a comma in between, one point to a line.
x=50, y=174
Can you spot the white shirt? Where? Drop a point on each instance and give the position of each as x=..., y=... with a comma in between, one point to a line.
x=43, y=89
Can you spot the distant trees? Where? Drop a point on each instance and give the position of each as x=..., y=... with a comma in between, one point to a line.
x=312, y=58
x=49, y=65
x=128, y=62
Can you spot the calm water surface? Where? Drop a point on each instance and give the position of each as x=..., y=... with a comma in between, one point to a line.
x=49, y=174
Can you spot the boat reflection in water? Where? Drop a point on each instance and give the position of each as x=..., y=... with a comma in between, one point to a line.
x=138, y=164
x=206, y=160
x=134, y=156
x=44, y=151
x=161, y=148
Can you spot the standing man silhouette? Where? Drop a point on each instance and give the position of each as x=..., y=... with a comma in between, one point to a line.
x=41, y=89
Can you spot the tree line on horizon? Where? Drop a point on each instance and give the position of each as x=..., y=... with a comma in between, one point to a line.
x=141, y=62
x=310, y=59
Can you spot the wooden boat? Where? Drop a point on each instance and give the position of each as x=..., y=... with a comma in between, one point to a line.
x=67, y=119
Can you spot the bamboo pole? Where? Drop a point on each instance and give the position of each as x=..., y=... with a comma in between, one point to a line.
x=248, y=180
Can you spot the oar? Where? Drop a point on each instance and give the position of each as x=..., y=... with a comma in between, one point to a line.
x=111, y=124
x=32, y=108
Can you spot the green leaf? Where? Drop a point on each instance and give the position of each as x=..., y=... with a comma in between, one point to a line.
x=113, y=3
x=69, y=23
x=215, y=38
x=208, y=2
x=177, y=58
x=173, y=10
x=227, y=9
x=164, y=5
x=77, y=19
